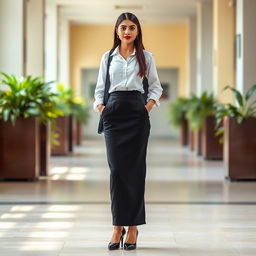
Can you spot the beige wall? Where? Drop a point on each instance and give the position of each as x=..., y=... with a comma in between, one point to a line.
x=168, y=43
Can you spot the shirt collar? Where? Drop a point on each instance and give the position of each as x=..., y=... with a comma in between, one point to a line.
x=116, y=51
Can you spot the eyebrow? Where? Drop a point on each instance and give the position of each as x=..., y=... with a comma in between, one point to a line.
x=126, y=26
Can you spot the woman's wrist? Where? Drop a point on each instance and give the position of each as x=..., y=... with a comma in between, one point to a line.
x=150, y=104
x=100, y=107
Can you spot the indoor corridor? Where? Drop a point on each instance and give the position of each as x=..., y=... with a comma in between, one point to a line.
x=191, y=209
x=199, y=59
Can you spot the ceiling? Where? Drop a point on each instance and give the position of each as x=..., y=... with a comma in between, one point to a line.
x=107, y=11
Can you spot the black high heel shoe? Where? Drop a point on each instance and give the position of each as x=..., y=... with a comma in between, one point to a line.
x=115, y=246
x=131, y=246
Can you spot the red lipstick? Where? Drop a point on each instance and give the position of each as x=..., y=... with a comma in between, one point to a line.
x=127, y=37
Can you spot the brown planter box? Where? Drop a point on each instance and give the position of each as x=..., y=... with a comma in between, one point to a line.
x=211, y=148
x=45, y=148
x=184, y=133
x=191, y=138
x=62, y=123
x=198, y=142
x=240, y=149
x=19, y=147
x=78, y=133
x=71, y=133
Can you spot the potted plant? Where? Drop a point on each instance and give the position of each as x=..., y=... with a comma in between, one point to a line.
x=80, y=111
x=74, y=109
x=24, y=104
x=177, y=112
x=239, y=123
x=60, y=138
x=202, y=121
x=193, y=134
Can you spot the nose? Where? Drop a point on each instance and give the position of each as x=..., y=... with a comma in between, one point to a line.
x=127, y=31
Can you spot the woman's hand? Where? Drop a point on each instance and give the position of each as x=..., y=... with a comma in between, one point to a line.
x=150, y=105
x=100, y=107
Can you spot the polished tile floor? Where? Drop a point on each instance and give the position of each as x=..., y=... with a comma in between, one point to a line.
x=191, y=209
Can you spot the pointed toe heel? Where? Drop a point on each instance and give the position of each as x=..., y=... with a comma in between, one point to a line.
x=115, y=246
x=128, y=246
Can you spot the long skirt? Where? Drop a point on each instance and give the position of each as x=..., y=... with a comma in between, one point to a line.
x=126, y=131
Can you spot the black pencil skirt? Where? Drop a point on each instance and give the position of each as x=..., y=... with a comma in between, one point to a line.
x=126, y=132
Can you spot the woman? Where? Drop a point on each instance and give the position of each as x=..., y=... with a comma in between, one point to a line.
x=127, y=125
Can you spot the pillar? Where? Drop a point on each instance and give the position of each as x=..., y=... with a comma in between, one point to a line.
x=224, y=59
x=51, y=35
x=204, y=47
x=12, y=40
x=34, y=37
x=192, y=53
x=21, y=33
x=246, y=43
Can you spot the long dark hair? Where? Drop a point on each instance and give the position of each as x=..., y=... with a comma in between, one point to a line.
x=137, y=42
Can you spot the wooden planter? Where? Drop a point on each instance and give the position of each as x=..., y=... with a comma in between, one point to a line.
x=240, y=149
x=19, y=147
x=198, y=142
x=63, y=126
x=71, y=133
x=184, y=133
x=78, y=133
x=45, y=148
x=211, y=148
x=191, y=138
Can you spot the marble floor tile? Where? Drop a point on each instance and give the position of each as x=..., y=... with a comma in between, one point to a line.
x=191, y=209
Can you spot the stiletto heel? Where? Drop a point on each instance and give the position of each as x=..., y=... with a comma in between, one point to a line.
x=122, y=242
x=131, y=246
x=115, y=246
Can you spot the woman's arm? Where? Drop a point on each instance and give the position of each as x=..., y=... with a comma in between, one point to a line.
x=155, y=89
x=100, y=86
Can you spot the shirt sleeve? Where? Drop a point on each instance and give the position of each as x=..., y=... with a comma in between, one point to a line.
x=100, y=86
x=155, y=89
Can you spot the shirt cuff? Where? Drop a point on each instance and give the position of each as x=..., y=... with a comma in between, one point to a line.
x=95, y=104
x=157, y=102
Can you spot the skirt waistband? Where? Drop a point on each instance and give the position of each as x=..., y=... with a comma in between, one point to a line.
x=133, y=93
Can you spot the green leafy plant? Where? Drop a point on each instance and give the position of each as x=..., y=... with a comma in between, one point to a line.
x=80, y=110
x=63, y=99
x=177, y=111
x=199, y=108
x=72, y=105
x=69, y=105
x=26, y=97
x=244, y=108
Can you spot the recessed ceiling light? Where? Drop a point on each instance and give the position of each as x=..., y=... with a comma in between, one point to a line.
x=118, y=7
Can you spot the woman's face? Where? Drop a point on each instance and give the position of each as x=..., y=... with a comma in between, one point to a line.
x=127, y=31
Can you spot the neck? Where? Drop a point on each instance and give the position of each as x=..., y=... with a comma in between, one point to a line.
x=128, y=48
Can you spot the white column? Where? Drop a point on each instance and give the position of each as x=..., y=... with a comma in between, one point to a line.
x=35, y=37
x=246, y=41
x=63, y=54
x=192, y=56
x=51, y=19
x=204, y=47
x=12, y=37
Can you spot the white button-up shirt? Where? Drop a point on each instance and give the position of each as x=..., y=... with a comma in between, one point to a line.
x=123, y=76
